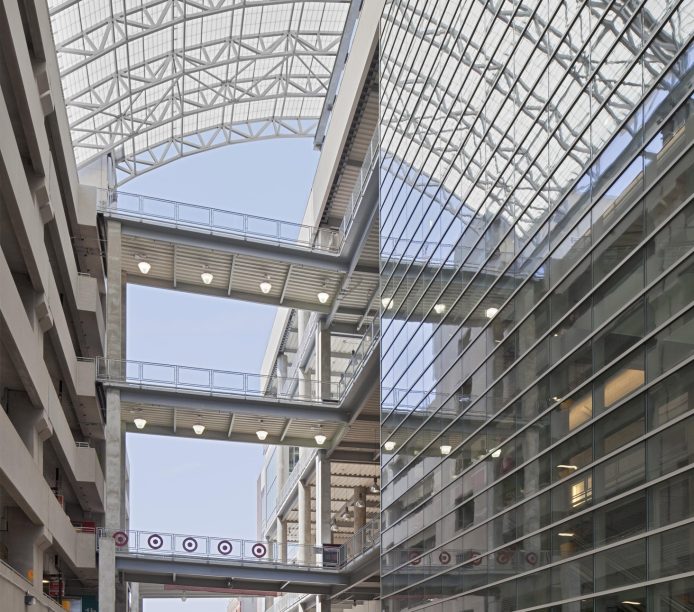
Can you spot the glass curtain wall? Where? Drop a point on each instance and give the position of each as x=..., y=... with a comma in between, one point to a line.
x=537, y=303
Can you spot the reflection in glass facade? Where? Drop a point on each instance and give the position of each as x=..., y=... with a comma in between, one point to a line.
x=537, y=292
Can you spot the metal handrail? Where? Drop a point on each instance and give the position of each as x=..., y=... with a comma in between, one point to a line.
x=357, y=194
x=285, y=602
x=204, y=380
x=215, y=549
x=194, y=216
x=362, y=541
x=366, y=345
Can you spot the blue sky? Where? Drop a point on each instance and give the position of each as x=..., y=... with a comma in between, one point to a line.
x=196, y=486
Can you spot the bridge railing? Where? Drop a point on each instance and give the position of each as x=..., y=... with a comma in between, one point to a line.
x=357, y=196
x=221, y=549
x=169, y=213
x=286, y=602
x=362, y=541
x=203, y=380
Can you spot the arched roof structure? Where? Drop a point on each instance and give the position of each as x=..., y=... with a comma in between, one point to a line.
x=149, y=81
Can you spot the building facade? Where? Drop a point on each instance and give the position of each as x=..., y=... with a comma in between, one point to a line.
x=536, y=289
x=52, y=285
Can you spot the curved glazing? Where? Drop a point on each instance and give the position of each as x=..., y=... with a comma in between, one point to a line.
x=149, y=81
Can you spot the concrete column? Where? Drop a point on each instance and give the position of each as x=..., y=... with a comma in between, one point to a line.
x=305, y=390
x=359, y=512
x=323, y=362
x=304, y=521
x=282, y=366
x=322, y=472
x=302, y=319
x=322, y=603
x=135, y=599
x=282, y=458
x=114, y=507
x=281, y=534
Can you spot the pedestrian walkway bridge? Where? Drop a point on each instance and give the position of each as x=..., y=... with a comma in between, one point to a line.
x=226, y=563
x=169, y=399
x=331, y=271
x=178, y=242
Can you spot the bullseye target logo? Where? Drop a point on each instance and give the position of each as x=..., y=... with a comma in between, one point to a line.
x=120, y=538
x=224, y=547
x=190, y=545
x=259, y=550
x=155, y=541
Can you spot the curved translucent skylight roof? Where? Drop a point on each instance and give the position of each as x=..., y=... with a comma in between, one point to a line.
x=150, y=81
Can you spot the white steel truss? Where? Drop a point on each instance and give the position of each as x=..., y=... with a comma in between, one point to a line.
x=150, y=81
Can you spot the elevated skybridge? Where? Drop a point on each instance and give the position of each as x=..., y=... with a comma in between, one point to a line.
x=331, y=269
x=176, y=400
x=221, y=563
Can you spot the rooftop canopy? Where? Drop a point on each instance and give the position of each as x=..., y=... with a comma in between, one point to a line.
x=149, y=81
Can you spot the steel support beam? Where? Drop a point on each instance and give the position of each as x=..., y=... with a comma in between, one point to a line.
x=254, y=406
x=267, y=575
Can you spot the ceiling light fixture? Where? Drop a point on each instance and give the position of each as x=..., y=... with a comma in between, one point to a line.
x=262, y=434
x=206, y=276
x=320, y=439
x=140, y=422
x=566, y=466
x=496, y=453
x=198, y=428
x=387, y=303
x=389, y=446
x=446, y=449
x=628, y=602
x=144, y=266
x=566, y=534
x=323, y=295
x=360, y=503
x=374, y=487
x=266, y=285
x=333, y=526
x=490, y=313
x=439, y=308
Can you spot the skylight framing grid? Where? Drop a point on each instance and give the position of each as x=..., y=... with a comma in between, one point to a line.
x=149, y=81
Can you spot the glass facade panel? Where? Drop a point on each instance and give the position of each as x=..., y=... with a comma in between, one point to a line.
x=537, y=249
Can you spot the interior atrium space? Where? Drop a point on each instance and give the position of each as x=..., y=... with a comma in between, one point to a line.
x=347, y=305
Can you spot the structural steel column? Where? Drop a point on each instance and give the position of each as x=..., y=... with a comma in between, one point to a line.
x=281, y=534
x=114, y=509
x=304, y=522
x=322, y=471
x=323, y=362
x=359, y=511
